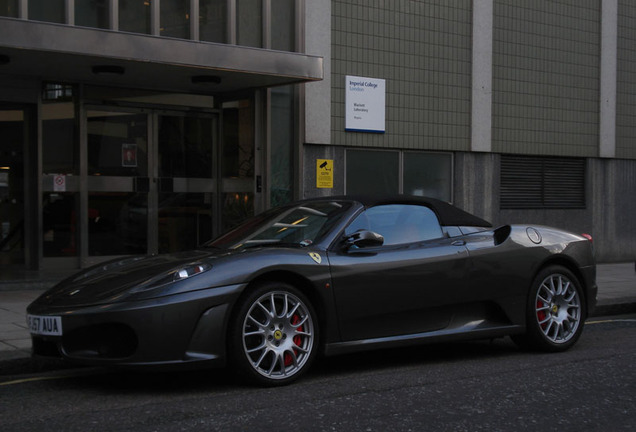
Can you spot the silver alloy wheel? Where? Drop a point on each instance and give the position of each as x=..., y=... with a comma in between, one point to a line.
x=558, y=308
x=278, y=335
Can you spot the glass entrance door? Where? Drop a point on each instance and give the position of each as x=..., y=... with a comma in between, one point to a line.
x=12, y=244
x=152, y=184
x=118, y=183
x=186, y=180
x=154, y=181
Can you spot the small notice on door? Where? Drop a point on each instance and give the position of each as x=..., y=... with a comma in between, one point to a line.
x=324, y=173
x=59, y=183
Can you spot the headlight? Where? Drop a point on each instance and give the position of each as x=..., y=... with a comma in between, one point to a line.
x=176, y=275
x=190, y=271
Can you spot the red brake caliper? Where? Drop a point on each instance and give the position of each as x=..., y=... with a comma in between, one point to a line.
x=297, y=340
x=541, y=315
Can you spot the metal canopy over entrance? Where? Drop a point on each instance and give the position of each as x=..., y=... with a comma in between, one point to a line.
x=103, y=57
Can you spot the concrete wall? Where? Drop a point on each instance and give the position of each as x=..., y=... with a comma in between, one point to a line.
x=608, y=216
x=614, y=209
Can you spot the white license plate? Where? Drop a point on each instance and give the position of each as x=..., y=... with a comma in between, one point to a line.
x=45, y=325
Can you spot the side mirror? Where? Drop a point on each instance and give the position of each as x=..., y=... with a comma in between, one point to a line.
x=364, y=238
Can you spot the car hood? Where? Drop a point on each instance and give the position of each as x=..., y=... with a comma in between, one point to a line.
x=112, y=281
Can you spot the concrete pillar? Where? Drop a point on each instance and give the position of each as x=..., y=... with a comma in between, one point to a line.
x=481, y=134
x=609, y=53
x=318, y=94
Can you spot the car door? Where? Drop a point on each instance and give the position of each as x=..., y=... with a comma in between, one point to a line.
x=406, y=286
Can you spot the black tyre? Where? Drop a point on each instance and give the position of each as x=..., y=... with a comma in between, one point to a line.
x=555, y=311
x=273, y=335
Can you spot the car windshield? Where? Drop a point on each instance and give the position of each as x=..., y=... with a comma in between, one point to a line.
x=298, y=225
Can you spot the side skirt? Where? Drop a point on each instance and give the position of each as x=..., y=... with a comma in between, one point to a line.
x=446, y=335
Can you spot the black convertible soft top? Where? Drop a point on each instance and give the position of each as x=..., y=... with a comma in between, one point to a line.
x=447, y=214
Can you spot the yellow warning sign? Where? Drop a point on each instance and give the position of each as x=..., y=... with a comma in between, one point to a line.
x=324, y=173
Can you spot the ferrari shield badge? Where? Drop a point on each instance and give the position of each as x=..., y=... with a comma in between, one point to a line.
x=316, y=257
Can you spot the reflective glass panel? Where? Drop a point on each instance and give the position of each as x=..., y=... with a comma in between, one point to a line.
x=372, y=172
x=185, y=146
x=60, y=146
x=249, y=23
x=282, y=144
x=11, y=187
x=428, y=174
x=60, y=227
x=237, y=207
x=117, y=144
x=237, y=168
x=399, y=224
x=185, y=221
x=134, y=16
x=47, y=10
x=91, y=13
x=175, y=18
x=298, y=226
x=213, y=20
x=118, y=223
x=9, y=8
x=283, y=25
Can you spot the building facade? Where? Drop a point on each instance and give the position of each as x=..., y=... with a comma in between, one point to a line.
x=518, y=111
x=149, y=126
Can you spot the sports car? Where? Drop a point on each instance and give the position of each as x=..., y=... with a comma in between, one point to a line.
x=331, y=275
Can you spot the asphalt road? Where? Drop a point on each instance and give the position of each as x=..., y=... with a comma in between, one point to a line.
x=479, y=386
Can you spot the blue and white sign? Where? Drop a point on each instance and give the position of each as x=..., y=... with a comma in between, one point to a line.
x=365, y=104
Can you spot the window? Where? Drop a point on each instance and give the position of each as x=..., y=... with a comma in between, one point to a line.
x=299, y=225
x=283, y=23
x=249, y=23
x=213, y=20
x=428, y=174
x=542, y=183
x=134, y=16
x=282, y=147
x=393, y=172
x=399, y=223
x=9, y=8
x=372, y=172
x=92, y=14
x=47, y=10
x=175, y=18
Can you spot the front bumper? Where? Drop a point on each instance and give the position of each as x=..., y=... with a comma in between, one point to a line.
x=185, y=328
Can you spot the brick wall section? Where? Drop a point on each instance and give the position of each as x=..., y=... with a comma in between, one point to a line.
x=546, y=77
x=423, y=51
x=626, y=81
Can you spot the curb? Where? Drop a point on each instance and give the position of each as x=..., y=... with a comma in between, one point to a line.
x=614, y=309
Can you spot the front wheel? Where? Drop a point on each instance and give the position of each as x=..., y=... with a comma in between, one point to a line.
x=555, y=312
x=274, y=335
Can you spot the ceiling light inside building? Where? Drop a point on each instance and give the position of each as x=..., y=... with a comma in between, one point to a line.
x=105, y=70
x=206, y=79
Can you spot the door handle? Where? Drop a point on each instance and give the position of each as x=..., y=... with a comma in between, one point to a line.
x=459, y=243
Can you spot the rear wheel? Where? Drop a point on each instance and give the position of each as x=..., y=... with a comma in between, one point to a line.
x=555, y=313
x=274, y=335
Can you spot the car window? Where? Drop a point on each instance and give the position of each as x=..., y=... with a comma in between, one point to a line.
x=299, y=225
x=399, y=223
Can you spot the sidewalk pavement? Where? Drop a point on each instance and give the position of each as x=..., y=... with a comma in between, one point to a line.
x=616, y=295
